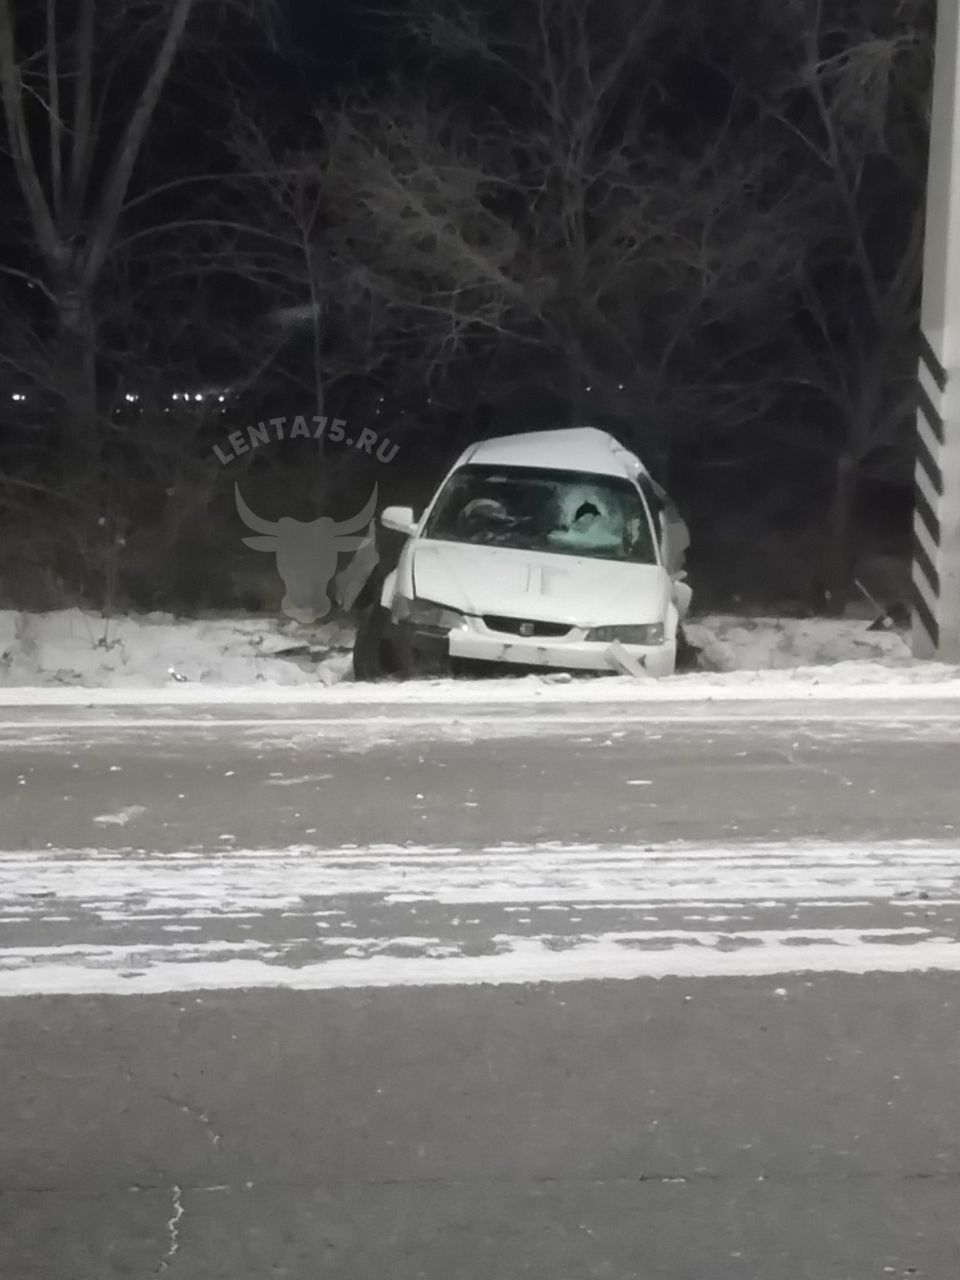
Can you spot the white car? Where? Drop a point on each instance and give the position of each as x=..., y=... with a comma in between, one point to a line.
x=551, y=549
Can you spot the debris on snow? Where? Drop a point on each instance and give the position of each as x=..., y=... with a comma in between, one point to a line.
x=627, y=664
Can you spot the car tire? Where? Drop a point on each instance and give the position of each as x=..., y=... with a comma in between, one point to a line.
x=375, y=655
x=688, y=655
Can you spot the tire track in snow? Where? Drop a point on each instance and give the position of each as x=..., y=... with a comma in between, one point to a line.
x=85, y=921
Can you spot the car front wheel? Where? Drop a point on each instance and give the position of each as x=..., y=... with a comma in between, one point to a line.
x=375, y=652
x=688, y=655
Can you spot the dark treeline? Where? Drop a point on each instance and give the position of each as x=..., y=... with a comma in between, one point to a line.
x=697, y=225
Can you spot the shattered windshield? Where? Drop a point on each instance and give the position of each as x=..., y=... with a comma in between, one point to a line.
x=533, y=509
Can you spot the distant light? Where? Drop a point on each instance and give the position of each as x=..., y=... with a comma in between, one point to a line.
x=175, y=396
x=131, y=398
x=589, y=388
x=18, y=395
x=198, y=397
x=619, y=386
x=221, y=398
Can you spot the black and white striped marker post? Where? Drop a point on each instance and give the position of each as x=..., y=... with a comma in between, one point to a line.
x=936, y=522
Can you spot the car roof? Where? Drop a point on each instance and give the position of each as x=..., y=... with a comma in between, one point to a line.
x=566, y=449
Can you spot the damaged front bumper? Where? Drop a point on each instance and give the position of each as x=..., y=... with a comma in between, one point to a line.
x=432, y=649
x=569, y=655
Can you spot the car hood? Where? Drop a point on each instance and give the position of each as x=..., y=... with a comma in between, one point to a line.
x=531, y=584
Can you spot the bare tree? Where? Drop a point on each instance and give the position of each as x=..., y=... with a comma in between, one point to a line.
x=844, y=89
x=111, y=240
x=289, y=189
x=703, y=278
x=559, y=231
x=81, y=86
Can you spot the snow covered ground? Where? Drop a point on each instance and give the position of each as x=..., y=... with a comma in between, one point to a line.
x=730, y=643
x=75, y=648
x=70, y=652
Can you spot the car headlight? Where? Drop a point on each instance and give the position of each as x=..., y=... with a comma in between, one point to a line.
x=427, y=616
x=651, y=633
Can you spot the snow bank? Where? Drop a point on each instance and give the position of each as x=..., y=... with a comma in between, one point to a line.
x=58, y=656
x=730, y=643
x=74, y=647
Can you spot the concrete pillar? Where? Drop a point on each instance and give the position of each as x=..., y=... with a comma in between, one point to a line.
x=936, y=541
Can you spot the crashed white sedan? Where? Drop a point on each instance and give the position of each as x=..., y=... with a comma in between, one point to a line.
x=551, y=549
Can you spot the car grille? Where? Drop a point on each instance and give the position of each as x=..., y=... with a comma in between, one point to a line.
x=526, y=627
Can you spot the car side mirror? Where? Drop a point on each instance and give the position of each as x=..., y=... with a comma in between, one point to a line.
x=400, y=520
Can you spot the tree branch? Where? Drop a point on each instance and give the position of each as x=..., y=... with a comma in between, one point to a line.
x=128, y=150
x=28, y=177
x=32, y=280
x=81, y=152
x=55, y=120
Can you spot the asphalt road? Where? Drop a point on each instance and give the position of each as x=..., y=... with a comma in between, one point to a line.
x=300, y=995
